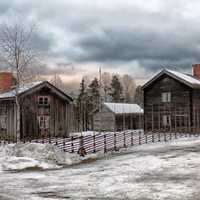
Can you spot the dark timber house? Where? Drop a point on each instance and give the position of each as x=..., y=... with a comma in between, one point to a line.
x=44, y=110
x=117, y=116
x=172, y=101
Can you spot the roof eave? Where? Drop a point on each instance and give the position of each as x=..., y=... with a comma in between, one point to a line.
x=135, y=113
x=57, y=91
x=153, y=79
x=7, y=99
x=171, y=75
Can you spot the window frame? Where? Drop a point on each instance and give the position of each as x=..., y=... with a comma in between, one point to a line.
x=3, y=118
x=44, y=122
x=166, y=120
x=166, y=97
x=42, y=99
x=3, y=122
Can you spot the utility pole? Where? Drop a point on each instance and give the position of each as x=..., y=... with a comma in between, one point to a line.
x=100, y=99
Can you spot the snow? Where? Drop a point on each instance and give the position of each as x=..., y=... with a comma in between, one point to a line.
x=91, y=133
x=34, y=156
x=21, y=89
x=153, y=171
x=120, y=108
x=185, y=77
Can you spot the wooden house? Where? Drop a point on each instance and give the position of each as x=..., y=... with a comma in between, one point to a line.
x=43, y=110
x=172, y=101
x=117, y=116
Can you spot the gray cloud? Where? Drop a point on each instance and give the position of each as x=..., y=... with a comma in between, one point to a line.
x=153, y=34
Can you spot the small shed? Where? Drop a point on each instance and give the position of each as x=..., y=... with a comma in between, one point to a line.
x=117, y=116
x=43, y=110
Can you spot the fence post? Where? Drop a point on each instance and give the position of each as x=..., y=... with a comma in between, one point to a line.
x=165, y=137
x=64, y=149
x=170, y=135
x=152, y=136
x=49, y=140
x=81, y=150
x=131, y=138
x=146, y=138
x=72, y=144
x=124, y=139
x=94, y=143
x=139, y=138
x=42, y=139
x=115, y=142
x=159, y=137
x=105, y=150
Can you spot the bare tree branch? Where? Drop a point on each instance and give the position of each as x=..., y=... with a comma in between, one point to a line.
x=15, y=47
x=16, y=51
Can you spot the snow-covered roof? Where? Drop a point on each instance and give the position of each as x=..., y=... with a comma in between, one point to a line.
x=124, y=108
x=187, y=79
x=22, y=88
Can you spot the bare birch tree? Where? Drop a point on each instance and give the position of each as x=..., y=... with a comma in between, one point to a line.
x=106, y=81
x=129, y=87
x=18, y=53
x=57, y=81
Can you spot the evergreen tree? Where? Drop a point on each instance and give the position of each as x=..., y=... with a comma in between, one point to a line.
x=138, y=98
x=83, y=90
x=94, y=94
x=82, y=102
x=116, y=92
x=105, y=81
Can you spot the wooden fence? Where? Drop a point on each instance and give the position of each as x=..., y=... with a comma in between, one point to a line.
x=112, y=141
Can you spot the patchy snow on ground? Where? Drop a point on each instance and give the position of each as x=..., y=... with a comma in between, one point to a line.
x=86, y=133
x=160, y=171
x=33, y=155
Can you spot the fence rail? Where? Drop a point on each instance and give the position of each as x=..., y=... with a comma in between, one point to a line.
x=110, y=141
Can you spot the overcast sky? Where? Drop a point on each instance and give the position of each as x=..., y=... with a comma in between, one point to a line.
x=137, y=37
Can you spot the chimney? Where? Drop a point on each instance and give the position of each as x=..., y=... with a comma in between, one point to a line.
x=196, y=70
x=6, y=81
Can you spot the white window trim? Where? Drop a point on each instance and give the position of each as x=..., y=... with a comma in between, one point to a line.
x=166, y=97
x=3, y=122
x=44, y=122
x=166, y=120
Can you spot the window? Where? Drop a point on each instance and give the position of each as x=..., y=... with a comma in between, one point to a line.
x=43, y=122
x=43, y=100
x=166, y=97
x=3, y=117
x=3, y=122
x=166, y=120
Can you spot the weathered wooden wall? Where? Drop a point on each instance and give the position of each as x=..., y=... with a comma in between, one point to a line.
x=8, y=112
x=59, y=116
x=179, y=107
x=104, y=120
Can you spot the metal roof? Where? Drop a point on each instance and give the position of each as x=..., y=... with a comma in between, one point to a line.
x=28, y=87
x=124, y=108
x=187, y=79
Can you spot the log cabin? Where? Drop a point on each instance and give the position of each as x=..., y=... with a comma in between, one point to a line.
x=43, y=110
x=172, y=101
x=117, y=116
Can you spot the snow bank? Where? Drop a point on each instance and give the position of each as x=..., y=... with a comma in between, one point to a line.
x=34, y=156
